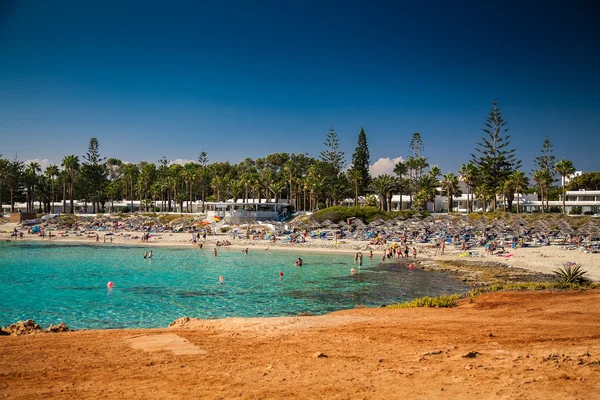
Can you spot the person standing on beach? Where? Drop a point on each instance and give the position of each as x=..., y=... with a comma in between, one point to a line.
x=370, y=254
x=442, y=247
x=414, y=251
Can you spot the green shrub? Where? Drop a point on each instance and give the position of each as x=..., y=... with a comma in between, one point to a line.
x=367, y=214
x=437, y=302
x=575, y=211
x=570, y=273
x=124, y=210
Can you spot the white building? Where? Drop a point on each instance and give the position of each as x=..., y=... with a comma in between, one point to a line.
x=251, y=210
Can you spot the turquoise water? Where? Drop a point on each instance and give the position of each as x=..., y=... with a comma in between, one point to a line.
x=54, y=283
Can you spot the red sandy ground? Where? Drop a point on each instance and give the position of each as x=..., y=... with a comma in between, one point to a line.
x=542, y=345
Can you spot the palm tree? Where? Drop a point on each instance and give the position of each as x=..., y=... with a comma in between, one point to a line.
x=52, y=172
x=543, y=178
x=5, y=176
x=564, y=168
x=428, y=190
x=218, y=184
x=450, y=187
x=189, y=176
x=382, y=185
x=266, y=177
x=71, y=165
x=355, y=176
x=484, y=193
x=291, y=169
x=31, y=180
x=400, y=169
x=235, y=188
x=130, y=174
x=505, y=188
x=277, y=187
x=467, y=173
x=519, y=182
x=147, y=176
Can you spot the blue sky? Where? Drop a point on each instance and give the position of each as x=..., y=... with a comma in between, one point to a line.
x=244, y=79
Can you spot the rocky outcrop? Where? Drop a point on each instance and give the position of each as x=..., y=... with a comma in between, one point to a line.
x=29, y=327
x=58, y=328
x=182, y=322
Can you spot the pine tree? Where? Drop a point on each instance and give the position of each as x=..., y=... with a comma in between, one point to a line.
x=360, y=161
x=332, y=165
x=546, y=163
x=94, y=173
x=495, y=161
x=332, y=154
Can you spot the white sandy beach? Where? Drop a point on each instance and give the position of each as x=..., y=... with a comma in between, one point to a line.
x=544, y=259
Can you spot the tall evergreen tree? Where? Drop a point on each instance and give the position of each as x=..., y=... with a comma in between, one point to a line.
x=332, y=154
x=94, y=173
x=332, y=165
x=495, y=160
x=416, y=145
x=360, y=161
x=546, y=163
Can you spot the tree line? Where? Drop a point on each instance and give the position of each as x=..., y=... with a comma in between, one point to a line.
x=492, y=173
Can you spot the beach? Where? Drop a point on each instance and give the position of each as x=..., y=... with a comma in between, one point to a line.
x=538, y=259
x=502, y=345
x=528, y=344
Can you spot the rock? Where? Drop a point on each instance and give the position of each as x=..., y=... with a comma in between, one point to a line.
x=58, y=328
x=181, y=322
x=432, y=353
x=491, y=334
x=23, y=328
x=318, y=354
x=471, y=354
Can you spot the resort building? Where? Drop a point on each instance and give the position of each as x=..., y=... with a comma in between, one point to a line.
x=580, y=201
x=240, y=211
x=251, y=210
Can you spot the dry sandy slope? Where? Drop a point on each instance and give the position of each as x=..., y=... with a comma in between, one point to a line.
x=543, y=345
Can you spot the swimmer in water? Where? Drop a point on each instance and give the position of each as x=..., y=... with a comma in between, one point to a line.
x=298, y=262
x=146, y=254
x=150, y=255
x=215, y=251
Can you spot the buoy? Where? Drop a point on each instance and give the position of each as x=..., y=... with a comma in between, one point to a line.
x=221, y=279
x=110, y=285
x=280, y=273
x=352, y=271
x=411, y=266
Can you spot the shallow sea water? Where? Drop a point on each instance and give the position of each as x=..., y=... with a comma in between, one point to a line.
x=53, y=283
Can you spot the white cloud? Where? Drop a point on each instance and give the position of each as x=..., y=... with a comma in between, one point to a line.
x=384, y=166
x=43, y=162
x=180, y=161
